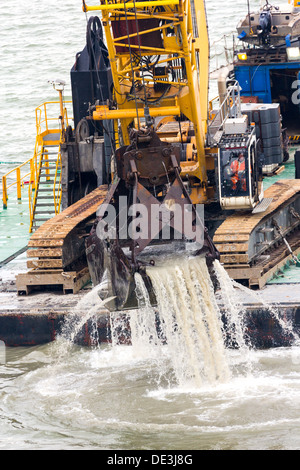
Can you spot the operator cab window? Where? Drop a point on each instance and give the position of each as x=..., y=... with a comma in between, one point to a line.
x=234, y=173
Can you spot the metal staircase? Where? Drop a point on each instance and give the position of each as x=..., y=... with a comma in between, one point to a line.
x=42, y=172
x=47, y=192
x=45, y=182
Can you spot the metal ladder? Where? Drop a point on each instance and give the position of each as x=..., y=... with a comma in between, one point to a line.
x=46, y=200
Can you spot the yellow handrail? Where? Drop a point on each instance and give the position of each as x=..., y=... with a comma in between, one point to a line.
x=57, y=192
x=38, y=150
x=43, y=120
x=18, y=182
x=43, y=127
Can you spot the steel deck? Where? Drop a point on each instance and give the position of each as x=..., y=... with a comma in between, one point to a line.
x=37, y=319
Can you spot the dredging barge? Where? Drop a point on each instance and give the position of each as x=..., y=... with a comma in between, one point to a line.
x=143, y=130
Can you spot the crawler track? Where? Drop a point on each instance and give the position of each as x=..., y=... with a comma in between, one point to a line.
x=57, y=251
x=249, y=245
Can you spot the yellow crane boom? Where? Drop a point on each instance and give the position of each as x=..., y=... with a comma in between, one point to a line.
x=158, y=51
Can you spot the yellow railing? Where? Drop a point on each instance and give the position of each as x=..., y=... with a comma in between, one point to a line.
x=19, y=180
x=46, y=124
x=32, y=193
x=44, y=121
x=57, y=189
x=211, y=107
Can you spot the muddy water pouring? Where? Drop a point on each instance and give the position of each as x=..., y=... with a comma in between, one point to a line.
x=190, y=321
x=190, y=330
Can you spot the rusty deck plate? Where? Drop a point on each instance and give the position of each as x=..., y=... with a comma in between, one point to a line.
x=57, y=248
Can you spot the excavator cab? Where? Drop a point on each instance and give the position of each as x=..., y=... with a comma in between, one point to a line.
x=239, y=180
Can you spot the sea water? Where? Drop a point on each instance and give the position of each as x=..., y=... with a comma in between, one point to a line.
x=164, y=390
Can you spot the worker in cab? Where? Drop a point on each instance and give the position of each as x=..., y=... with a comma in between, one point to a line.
x=238, y=173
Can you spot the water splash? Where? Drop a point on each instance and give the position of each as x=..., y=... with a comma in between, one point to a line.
x=84, y=316
x=285, y=324
x=189, y=321
x=188, y=335
x=143, y=321
x=233, y=309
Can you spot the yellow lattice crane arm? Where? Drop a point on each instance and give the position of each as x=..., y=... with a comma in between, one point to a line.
x=158, y=52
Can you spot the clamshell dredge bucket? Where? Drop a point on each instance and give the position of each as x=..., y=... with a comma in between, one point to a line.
x=148, y=179
x=112, y=270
